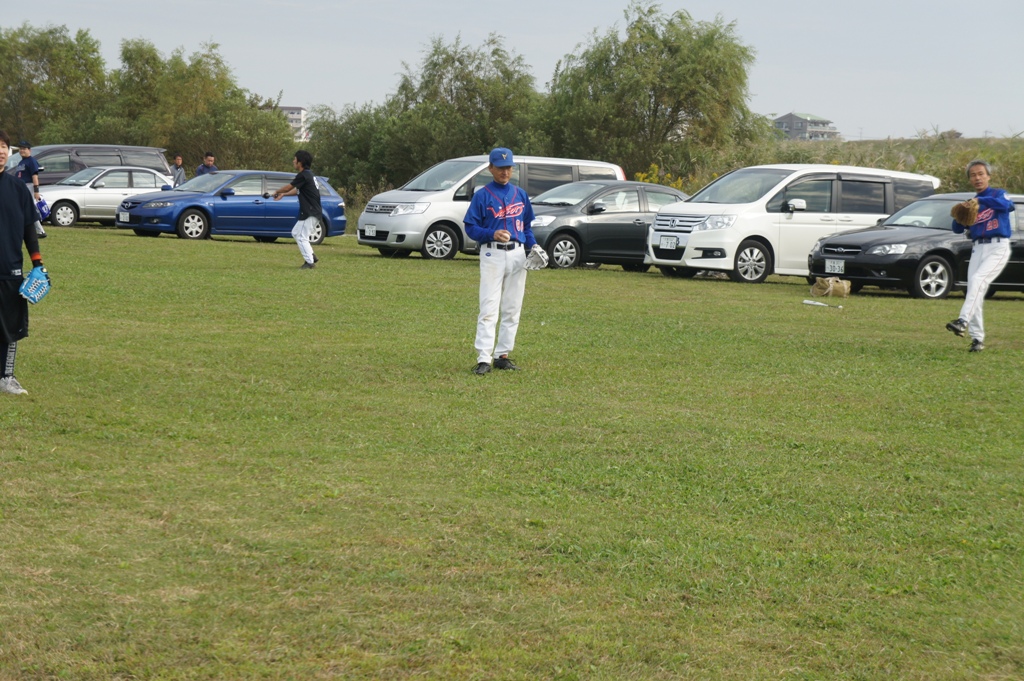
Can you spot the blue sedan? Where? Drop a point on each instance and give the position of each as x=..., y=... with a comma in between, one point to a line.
x=229, y=202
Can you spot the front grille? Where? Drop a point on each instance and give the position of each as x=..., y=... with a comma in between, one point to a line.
x=677, y=223
x=666, y=254
x=128, y=204
x=380, y=236
x=378, y=208
x=838, y=249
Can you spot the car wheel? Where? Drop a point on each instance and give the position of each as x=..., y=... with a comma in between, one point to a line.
x=753, y=263
x=677, y=272
x=933, y=278
x=564, y=252
x=145, y=232
x=636, y=268
x=440, y=243
x=265, y=239
x=63, y=214
x=394, y=252
x=316, y=237
x=193, y=224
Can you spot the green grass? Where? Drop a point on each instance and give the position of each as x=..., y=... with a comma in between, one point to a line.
x=228, y=468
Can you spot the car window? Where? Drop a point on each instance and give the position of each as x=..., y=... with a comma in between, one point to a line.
x=741, y=186
x=146, y=159
x=933, y=214
x=656, y=199
x=862, y=197
x=621, y=201
x=817, y=194
x=906, y=192
x=144, y=179
x=55, y=163
x=481, y=179
x=545, y=176
x=116, y=179
x=596, y=173
x=100, y=158
x=250, y=185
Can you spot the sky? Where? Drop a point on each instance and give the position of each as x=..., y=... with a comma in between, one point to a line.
x=876, y=68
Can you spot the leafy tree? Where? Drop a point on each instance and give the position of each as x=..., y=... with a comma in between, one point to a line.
x=670, y=86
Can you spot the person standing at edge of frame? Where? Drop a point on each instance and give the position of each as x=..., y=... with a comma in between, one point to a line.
x=306, y=187
x=989, y=255
x=28, y=172
x=499, y=219
x=17, y=226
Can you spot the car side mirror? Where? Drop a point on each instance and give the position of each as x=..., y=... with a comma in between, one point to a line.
x=227, y=192
x=99, y=185
x=793, y=205
x=166, y=188
x=597, y=207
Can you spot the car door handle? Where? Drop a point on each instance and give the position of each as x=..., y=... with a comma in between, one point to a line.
x=258, y=201
x=827, y=218
x=845, y=219
x=641, y=223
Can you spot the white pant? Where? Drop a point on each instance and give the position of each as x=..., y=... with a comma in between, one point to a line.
x=987, y=262
x=502, y=284
x=301, y=232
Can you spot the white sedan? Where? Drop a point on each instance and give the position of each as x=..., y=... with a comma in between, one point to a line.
x=94, y=194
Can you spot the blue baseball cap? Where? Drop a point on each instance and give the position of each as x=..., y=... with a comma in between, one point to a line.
x=501, y=158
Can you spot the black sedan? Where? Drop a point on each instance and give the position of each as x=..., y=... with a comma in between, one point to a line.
x=599, y=221
x=915, y=249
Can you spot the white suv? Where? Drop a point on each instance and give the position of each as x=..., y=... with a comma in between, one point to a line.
x=761, y=220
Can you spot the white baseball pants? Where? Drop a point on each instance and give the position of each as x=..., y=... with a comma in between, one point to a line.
x=502, y=284
x=301, y=232
x=987, y=263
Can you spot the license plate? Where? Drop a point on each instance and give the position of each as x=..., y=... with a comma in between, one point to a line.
x=123, y=217
x=835, y=266
x=370, y=230
x=669, y=243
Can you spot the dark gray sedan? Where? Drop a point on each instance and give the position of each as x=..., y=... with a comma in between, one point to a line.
x=599, y=221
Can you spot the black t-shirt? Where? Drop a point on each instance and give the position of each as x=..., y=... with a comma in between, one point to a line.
x=309, y=194
x=17, y=219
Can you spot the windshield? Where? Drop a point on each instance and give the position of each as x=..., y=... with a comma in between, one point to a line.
x=932, y=214
x=204, y=183
x=442, y=176
x=82, y=177
x=742, y=186
x=566, y=194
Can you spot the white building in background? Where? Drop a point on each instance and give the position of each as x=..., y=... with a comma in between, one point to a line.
x=805, y=126
x=296, y=116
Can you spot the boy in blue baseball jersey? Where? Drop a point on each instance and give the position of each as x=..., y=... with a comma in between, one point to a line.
x=499, y=219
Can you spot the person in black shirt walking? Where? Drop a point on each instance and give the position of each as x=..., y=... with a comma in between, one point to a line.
x=306, y=187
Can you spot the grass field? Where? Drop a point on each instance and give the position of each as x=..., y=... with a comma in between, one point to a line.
x=228, y=468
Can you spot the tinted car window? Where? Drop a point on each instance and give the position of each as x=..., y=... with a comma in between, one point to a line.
x=249, y=186
x=100, y=158
x=908, y=191
x=141, y=179
x=146, y=159
x=545, y=176
x=622, y=201
x=596, y=173
x=55, y=163
x=817, y=194
x=655, y=199
x=863, y=197
x=117, y=179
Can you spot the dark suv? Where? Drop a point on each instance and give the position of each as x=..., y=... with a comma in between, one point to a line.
x=58, y=161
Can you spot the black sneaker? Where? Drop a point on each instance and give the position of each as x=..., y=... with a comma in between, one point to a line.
x=482, y=368
x=506, y=364
x=315, y=259
x=958, y=326
x=976, y=346
x=307, y=266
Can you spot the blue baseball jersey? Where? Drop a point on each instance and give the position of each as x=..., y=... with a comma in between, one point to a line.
x=993, y=219
x=498, y=206
x=26, y=169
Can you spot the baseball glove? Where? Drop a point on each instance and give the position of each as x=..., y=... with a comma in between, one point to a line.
x=538, y=258
x=965, y=213
x=36, y=285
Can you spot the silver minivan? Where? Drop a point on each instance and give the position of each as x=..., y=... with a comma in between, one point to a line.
x=427, y=213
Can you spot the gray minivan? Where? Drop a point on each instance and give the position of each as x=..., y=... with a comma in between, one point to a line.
x=426, y=214
x=58, y=161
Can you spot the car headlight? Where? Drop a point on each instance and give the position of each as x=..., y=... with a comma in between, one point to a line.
x=158, y=204
x=542, y=221
x=410, y=208
x=715, y=222
x=888, y=249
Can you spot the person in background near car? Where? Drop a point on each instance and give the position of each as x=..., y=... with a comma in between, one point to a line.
x=28, y=172
x=306, y=187
x=989, y=255
x=207, y=165
x=177, y=171
x=499, y=218
x=17, y=218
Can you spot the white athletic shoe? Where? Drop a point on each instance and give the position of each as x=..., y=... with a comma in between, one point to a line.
x=10, y=385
